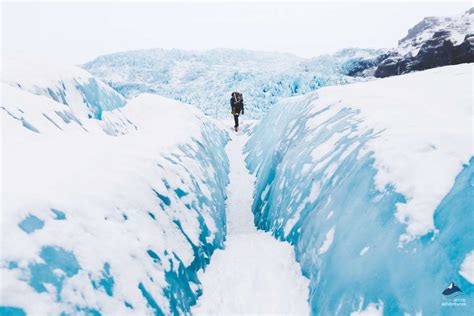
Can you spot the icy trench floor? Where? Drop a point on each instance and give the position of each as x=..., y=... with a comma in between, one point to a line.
x=255, y=273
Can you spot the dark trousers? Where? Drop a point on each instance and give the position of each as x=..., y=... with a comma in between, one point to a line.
x=236, y=120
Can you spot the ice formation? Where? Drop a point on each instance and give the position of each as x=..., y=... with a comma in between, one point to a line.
x=372, y=184
x=107, y=214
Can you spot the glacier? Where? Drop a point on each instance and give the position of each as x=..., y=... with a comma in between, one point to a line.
x=114, y=201
x=207, y=78
x=372, y=183
x=110, y=205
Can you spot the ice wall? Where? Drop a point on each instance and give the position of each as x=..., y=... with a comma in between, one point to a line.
x=373, y=185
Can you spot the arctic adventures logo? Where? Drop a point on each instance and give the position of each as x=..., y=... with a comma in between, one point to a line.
x=453, y=296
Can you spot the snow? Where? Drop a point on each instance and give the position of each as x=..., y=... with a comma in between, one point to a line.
x=393, y=162
x=85, y=95
x=314, y=192
x=328, y=241
x=254, y=274
x=265, y=192
x=364, y=251
x=110, y=216
x=467, y=267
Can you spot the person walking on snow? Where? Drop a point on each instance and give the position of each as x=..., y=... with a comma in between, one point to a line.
x=237, y=105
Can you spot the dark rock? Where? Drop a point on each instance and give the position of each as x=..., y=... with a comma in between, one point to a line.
x=435, y=52
x=433, y=40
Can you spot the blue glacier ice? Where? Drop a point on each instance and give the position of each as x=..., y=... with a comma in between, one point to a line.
x=55, y=258
x=206, y=79
x=30, y=224
x=99, y=99
x=58, y=215
x=344, y=230
x=11, y=311
x=106, y=281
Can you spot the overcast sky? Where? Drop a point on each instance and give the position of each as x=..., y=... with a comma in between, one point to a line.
x=78, y=32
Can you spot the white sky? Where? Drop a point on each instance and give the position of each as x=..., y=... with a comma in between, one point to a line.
x=78, y=32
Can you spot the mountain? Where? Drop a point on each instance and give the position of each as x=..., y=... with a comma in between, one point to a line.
x=433, y=42
x=372, y=185
x=207, y=78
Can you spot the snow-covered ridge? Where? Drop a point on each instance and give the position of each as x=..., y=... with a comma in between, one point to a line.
x=112, y=216
x=457, y=26
x=372, y=184
x=85, y=95
x=207, y=78
x=433, y=42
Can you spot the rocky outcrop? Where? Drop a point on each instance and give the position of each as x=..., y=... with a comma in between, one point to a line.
x=433, y=42
x=435, y=52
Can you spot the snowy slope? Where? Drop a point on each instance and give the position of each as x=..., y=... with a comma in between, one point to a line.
x=112, y=216
x=85, y=95
x=207, y=78
x=372, y=184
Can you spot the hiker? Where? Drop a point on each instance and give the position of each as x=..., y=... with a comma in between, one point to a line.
x=237, y=105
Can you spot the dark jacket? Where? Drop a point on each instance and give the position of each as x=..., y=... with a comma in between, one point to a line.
x=237, y=107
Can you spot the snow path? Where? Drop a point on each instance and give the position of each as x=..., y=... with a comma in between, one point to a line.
x=255, y=273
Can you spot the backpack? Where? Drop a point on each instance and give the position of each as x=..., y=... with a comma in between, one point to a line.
x=237, y=102
x=237, y=96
